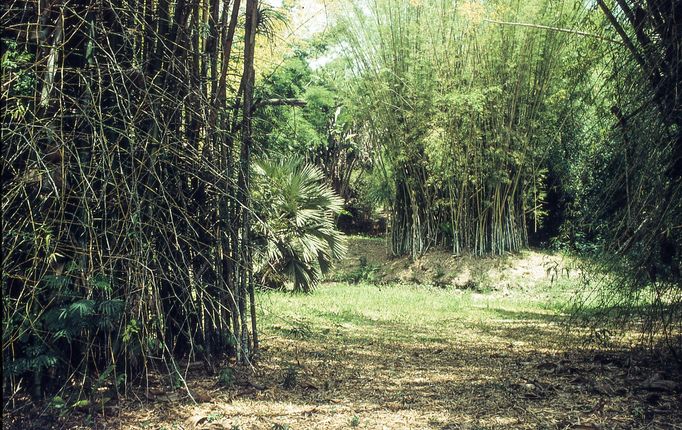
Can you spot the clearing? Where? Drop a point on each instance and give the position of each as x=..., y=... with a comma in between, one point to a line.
x=422, y=354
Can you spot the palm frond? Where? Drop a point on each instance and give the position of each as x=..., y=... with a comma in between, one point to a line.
x=269, y=20
x=299, y=213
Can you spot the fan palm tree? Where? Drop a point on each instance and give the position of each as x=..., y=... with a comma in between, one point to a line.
x=298, y=239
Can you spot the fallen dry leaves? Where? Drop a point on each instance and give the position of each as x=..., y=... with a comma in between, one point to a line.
x=492, y=376
x=497, y=370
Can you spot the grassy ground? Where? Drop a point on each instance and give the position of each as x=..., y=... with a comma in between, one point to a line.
x=392, y=355
x=419, y=357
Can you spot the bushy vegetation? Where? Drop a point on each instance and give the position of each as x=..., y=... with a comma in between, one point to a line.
x=149, y=182
x=298, y=239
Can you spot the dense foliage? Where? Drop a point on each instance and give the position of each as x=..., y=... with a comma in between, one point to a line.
x=125, y=195
x=630, y=184
x=464, y=112
x=134, y=233
x=553, y=122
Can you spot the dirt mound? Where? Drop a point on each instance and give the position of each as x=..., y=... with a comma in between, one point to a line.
x=368, y=260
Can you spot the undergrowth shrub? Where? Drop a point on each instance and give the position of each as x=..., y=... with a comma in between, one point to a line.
x=364, y=272
x=226, y=378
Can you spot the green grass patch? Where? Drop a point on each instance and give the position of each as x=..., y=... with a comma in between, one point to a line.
x=403, y=310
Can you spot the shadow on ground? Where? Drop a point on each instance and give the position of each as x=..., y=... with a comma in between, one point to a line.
x=493, y=369
x=511, y=370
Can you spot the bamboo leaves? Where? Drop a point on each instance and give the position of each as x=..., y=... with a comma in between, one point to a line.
x=123, y=190
x=456, y=119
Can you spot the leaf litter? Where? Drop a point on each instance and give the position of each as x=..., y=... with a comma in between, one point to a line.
x=483, y=369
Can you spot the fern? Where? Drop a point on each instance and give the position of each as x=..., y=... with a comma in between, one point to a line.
x=101, y=283
x=55, y=282
x=83, y=308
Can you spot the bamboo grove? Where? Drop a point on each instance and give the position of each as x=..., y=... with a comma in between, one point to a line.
x=132, y=224
x=456, y=110
x=635, y=187
x=125, y=174
x=496, y=124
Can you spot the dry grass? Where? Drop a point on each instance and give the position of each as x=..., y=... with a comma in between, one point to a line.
x=419, y=357
x=466, y=362
x=527, y=269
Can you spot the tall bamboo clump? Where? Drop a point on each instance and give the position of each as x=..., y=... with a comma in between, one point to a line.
x=123, y=217
x=633, y=197
x=455, y=105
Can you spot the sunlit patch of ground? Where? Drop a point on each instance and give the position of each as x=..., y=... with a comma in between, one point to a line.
x=416, y=356
x=368, y=259
x=410, y=357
